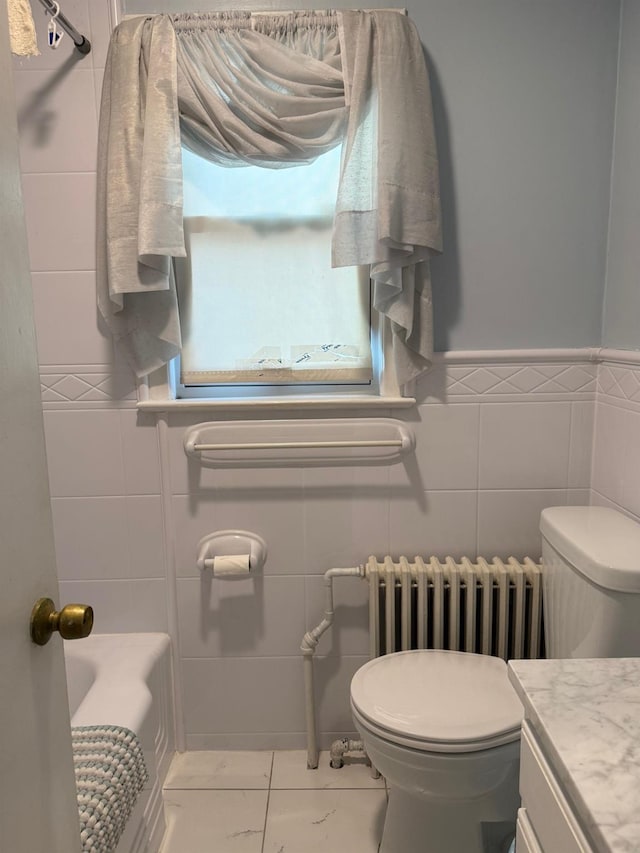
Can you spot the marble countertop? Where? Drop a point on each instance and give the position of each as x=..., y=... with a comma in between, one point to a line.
x=586, y=714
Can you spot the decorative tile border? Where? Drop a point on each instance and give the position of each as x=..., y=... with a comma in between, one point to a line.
x=518, y=379
x=456, y=377
x=619, y=385
x=534, y=375
x=80, y=386
x=620, y=381
x=510, y=376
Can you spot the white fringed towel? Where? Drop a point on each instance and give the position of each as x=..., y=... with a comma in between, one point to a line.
x=22, y=30
x=110, y=773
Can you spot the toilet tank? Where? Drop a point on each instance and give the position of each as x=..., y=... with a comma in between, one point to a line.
x=591, y=582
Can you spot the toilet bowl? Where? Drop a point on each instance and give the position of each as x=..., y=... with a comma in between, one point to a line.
x=443, y=728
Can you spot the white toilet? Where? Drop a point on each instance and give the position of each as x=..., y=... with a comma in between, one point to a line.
x=444, y=727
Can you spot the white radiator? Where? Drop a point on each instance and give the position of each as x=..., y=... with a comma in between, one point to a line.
x=491, y=608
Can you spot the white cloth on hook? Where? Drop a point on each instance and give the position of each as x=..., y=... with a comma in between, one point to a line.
x=22, y=30
x=270, y=89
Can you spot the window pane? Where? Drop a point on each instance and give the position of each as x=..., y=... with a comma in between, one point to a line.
x=259, y=302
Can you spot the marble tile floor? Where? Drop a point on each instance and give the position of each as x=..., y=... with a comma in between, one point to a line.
x=268, y=802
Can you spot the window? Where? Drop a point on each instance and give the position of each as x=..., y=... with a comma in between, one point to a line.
x=267, y=88
x=261, y=309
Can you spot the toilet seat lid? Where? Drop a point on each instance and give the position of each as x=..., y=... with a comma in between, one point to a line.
x=449, y=700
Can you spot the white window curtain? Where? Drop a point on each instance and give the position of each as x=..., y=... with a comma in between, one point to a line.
x=274, y=90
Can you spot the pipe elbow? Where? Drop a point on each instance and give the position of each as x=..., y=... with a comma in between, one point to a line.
x=309, y=643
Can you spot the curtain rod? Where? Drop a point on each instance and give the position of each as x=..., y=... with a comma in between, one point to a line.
x=402, y=10
x=82, y=43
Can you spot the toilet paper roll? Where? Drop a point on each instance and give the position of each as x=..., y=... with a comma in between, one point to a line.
x=231, y=564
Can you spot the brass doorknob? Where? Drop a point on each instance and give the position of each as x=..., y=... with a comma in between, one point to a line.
x=73, y=622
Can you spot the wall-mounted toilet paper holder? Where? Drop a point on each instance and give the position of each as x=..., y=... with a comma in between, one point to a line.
x=224, y=545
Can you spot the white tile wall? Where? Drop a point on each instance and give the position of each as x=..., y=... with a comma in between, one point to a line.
x=508, y=521
x=247, y=694
x=50, y=113
x=239, y=640
x=275, y=514
x=140, y=454
x=121, y=606
x=239, y=618
x=439, y=523
x=332, y=680
x=109, y=537
x=61, y=223
x=579, y=497
x=581, y=445
x=616, y=450
x=611, y=437
x=341, y=529
x=447, y=449
x=251, y=740
x=84, y=452
x=101, y=25
x=524, y=445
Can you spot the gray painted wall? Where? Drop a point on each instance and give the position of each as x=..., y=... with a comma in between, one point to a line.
x=524, y=93
x=621, y=323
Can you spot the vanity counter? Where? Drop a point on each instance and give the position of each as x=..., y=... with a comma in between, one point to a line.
x=585, y=715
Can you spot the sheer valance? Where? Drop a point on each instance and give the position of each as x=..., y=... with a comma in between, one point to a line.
x=275, y=90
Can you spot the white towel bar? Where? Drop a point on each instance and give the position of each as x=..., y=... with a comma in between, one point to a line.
x=348, y=441
x=295, y=445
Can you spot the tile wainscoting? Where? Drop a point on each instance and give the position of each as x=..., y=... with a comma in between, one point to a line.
x=499, y=436
x=616, y=447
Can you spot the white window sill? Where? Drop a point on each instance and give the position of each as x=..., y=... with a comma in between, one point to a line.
x=320, y=402
x=158, y=392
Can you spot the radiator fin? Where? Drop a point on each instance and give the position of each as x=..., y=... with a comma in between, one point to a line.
x=491, y=608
